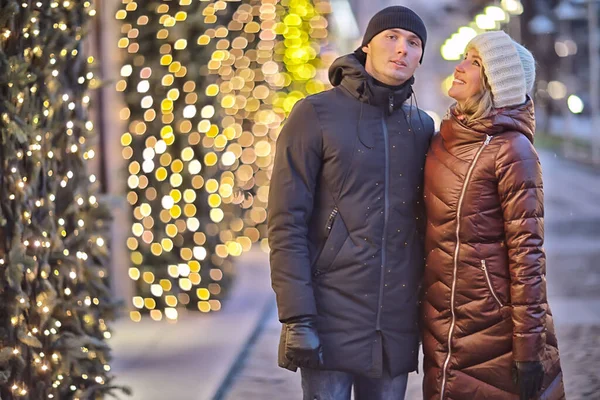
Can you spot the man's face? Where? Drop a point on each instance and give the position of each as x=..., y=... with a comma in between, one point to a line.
x=393, y=56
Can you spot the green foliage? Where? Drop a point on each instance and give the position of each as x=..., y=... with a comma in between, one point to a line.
x=54, y=303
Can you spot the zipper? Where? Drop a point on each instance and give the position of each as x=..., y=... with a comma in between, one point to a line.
x=454, y=274
x=330, y=220
x=385, y=218
x=489, y=282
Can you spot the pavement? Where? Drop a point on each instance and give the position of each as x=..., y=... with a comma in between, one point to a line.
x=193, y=358
x=232, y=354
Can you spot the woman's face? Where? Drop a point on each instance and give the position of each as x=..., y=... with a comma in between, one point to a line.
x=467, y=78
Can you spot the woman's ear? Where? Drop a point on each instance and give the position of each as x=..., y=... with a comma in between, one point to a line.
x=366, y=49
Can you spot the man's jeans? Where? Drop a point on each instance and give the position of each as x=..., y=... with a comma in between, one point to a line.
x=335, y=385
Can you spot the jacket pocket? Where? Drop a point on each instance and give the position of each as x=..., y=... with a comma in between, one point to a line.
x=336, y=234
x=489, y=283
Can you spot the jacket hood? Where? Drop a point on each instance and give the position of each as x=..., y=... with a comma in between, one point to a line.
x=519, y=118
x=349, y=72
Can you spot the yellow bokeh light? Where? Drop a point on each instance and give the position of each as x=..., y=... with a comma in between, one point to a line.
x=171, y=230
x=175, y=212
x=235, y=249
x=226, y=190
x=262, y=148
x=156, y=315
x=203, y=294
x=189, y=196
x=176, y=180
x=126, y=139
x=210, y=159
x=134, y=273
x=214, y=200
x=206, y=141
x=177, y=166
x=216, y=215
x=212, y=90
x=187, y=154
x=212, y=185
x=203, y=40
x=228, y=101
x=167, y=244
x=189, y=210
x=161, y=174
x=220, y=141
x=138, y=302
x=135, y=316
x=204, y=306
x=185, y=284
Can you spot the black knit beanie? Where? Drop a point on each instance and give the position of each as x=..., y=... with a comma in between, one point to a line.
x=395, y=17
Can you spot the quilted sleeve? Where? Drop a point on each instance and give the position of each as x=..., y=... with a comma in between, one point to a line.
x=521, y=194
x=291, y=196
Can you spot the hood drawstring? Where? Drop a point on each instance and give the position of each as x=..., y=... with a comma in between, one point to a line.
x=360, y=115
x=418, y=112
x=410, y=110
x=413, y=95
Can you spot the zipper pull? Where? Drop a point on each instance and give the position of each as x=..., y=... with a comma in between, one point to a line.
x=331, y=218
x=391, y=103
x=483, y=265
x=488, y=139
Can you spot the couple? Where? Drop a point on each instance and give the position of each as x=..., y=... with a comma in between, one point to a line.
x=376, y=247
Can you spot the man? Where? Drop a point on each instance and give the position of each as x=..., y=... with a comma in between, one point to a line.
x=344, y=222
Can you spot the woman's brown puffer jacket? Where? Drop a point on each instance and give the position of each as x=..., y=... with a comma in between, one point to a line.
x=484, y=302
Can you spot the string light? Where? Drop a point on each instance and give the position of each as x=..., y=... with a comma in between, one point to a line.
x=46, y=136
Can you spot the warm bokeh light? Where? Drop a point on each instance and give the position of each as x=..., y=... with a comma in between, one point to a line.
x=203, y=118
x=454, y=47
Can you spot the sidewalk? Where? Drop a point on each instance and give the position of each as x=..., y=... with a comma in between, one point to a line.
x=191, y=360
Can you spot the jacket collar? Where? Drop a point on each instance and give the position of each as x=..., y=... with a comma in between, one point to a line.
x=519, y=118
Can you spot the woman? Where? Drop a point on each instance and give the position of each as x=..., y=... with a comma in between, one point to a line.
x=488, y=330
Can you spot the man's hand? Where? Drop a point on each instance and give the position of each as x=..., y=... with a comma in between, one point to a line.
x=529, y=377
x=302, y=344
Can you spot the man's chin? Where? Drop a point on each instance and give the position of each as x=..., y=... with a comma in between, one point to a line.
x=397, y=79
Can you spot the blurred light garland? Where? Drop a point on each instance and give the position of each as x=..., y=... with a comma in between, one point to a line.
x=268, y=60
x=172, y=178
x=54, y=304
x=208, y=85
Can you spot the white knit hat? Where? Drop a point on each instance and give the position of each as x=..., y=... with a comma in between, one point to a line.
x=509, y=67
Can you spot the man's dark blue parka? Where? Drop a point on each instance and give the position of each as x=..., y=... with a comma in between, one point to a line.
x=345, y=220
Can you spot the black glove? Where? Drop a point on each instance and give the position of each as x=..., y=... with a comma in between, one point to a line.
x=302, y=344
x=529, y=377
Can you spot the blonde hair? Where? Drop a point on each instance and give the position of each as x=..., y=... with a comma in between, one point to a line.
x=479, y=106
